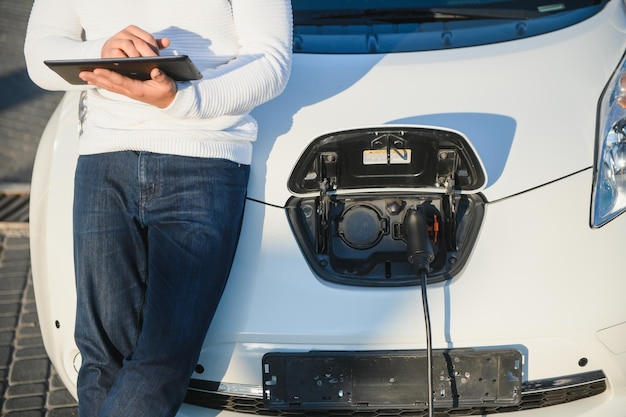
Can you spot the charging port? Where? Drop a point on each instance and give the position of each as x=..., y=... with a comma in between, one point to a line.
x=353, y=192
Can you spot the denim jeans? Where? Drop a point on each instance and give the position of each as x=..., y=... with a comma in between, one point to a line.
x=154, y=240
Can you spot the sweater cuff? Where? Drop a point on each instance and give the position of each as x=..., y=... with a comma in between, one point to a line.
x=92, y=49
x=181, y=106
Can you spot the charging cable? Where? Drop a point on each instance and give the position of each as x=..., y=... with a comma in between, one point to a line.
x=420, y=254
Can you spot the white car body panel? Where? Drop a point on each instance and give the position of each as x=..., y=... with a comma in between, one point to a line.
x=532, y=121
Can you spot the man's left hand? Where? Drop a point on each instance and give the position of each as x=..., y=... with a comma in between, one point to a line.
x=158, y=91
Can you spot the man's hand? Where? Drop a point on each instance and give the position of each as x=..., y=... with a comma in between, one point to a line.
x=133, y=42
x=159, y=91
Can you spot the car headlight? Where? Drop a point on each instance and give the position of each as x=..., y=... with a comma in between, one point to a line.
x=609, y=189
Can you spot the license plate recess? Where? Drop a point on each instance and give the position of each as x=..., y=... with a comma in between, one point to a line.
x=391, y=379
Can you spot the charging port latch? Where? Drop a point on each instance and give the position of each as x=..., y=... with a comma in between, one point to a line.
x=447, y=171
x=327, y=174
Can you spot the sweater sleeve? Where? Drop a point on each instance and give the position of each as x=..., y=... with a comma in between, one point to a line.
x=54, y=31
x=258, y=73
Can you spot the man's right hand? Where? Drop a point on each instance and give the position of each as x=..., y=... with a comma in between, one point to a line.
x=133, y=42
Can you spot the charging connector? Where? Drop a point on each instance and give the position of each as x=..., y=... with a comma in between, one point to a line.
x=420, y=254
x=420, y=251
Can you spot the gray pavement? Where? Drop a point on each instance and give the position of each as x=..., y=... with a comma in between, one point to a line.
x=29, y=386
x=28, y=382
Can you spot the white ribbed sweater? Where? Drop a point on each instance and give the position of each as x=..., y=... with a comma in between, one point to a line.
x=242, y=47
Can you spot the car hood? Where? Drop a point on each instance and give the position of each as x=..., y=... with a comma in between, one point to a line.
x=528, y=107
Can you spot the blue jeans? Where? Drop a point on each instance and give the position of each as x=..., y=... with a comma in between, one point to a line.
x=154, y=240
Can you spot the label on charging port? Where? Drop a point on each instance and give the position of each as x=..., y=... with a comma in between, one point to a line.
x=383, y=156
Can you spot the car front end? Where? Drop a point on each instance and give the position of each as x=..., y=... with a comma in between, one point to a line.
x=433, y=219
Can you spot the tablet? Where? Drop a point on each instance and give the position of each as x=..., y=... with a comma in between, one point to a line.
x=178, y=67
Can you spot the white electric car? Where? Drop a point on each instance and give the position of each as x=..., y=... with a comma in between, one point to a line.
x=433, y=223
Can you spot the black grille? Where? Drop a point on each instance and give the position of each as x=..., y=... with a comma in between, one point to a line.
x=535, y=394
x=14, y=203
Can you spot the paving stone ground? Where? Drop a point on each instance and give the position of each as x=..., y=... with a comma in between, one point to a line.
x=29, y=386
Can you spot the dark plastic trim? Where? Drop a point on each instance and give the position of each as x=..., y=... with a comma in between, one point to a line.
x=535, y=394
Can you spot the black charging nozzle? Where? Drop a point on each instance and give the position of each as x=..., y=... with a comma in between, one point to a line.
x=420, y=254
x=419, y=248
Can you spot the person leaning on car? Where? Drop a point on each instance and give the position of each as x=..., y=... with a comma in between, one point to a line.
x=160, y=182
